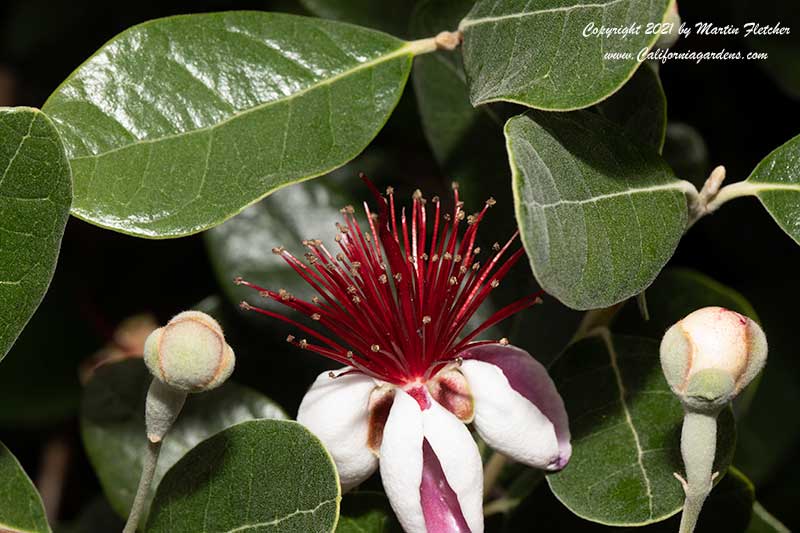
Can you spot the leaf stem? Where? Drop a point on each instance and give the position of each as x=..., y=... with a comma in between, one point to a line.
x=149, y=462
x=711, y=196
x=698, y=446
x=445, y=40
x=729, y=192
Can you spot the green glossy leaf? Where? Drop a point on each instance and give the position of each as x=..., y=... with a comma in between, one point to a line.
x=21, y=509
x=390, y=16
x=776, y=182
x=640, y=107
x=535, y=54
x=263, y=475
x=112, y=425
x=625, y=434
x=763, y=522
x=35, y=196
x=599, y=214
x=178, y=124
x=367, y=512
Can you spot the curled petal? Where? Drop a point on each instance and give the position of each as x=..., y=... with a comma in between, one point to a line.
x=431, y=468
x=337, y=411
x=518, y=410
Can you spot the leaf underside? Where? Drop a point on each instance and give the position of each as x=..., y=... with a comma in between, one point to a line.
x=533, y=52
x=599, y=214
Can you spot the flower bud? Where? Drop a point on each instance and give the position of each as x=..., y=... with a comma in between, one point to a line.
x=189, y=353
x=711, y=355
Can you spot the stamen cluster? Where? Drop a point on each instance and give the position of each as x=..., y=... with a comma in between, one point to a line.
x=395, y=301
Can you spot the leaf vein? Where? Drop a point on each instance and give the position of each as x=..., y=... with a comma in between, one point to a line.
x=467, y=22
x=283, y=518
x=612, y=353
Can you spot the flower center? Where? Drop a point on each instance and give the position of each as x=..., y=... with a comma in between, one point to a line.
x=398, y=297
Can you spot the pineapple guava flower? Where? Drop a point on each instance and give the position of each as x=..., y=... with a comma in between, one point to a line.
x=397, y=304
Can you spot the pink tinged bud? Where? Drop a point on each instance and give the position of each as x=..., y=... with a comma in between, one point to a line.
x=189, y=353
x=336, y=410
x=518, y=410
x=710, y=346
x=442, y=487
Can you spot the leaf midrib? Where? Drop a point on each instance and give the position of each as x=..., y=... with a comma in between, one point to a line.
x=681, y=186
x=406, y=49
x=605, y=334
x=757, y=187
x=277, y=521
x=467, y=22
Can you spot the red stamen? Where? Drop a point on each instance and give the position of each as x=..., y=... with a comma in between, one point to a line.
x=396, y=303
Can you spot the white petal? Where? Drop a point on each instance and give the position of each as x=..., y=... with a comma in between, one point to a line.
x=401, y=462
x=529, y=378
x=460, y=460
x=336, y=411
x=507, y=421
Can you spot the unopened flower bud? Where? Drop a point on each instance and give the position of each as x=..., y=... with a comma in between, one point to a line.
x=672, y=23
x=708, y=357
x=189, y=353
x=711, y=355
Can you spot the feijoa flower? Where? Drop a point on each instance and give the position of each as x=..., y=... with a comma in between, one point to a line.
x=397, y=300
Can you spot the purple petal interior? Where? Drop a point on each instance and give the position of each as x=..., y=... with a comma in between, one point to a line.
x=440, y=505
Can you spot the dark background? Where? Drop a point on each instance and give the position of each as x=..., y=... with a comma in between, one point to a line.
x=103, y=277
